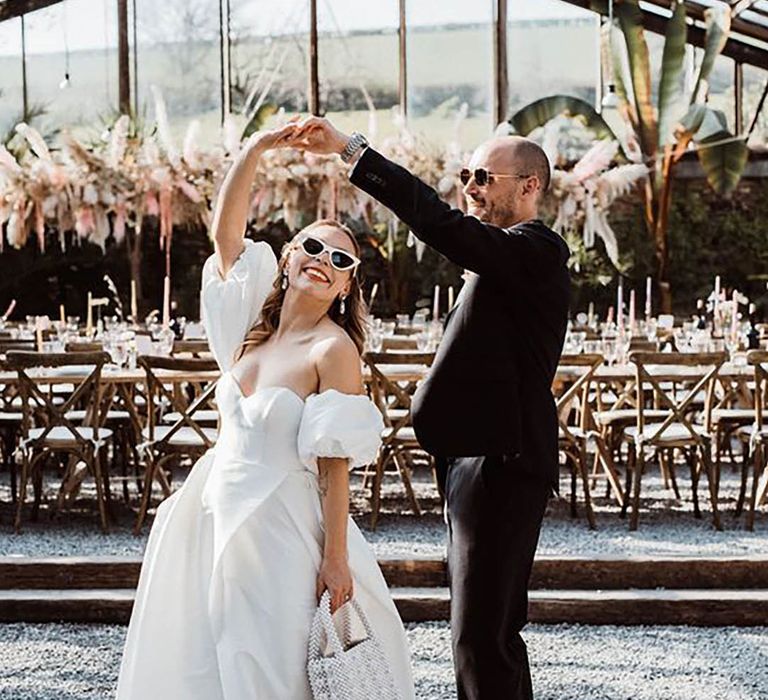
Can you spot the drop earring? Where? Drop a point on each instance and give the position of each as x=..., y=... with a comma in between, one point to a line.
x=284, y=284
x=343, y=306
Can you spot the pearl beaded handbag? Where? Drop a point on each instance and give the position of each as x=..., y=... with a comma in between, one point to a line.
x=346, y=669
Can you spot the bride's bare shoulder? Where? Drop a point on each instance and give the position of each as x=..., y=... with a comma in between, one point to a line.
x=337, y=360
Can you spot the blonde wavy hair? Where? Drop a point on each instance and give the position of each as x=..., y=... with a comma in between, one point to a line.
x=353, y=320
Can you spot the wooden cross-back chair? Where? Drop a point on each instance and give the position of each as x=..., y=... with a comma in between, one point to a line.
x=47, y=428
x=573, y=438
x=185, y=437
x=754, y=439
x=195, y=348
x=89, y=346
x=120, y=415
x=10, y=428
x=392, y=381
x=676, y=431
x=615, y=410
x=733, y=409
x=18, y=344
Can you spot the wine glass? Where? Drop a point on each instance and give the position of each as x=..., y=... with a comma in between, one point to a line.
x=375, y=340
x=609, y=350
x=164, y=341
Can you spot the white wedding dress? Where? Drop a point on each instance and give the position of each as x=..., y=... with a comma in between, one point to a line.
x=227, y=588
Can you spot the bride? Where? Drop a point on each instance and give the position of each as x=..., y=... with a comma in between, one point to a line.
x=238, y=556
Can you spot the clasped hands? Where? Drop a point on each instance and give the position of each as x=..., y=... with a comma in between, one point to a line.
x=313, y=134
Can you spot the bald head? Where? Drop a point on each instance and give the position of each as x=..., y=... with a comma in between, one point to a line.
x=520, y=173
x=517, y=154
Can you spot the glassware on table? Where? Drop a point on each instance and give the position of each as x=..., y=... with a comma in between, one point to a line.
x=164, y=341
x=52, y=346
x=651, y=327
x=423, y=341
x=593, y=347
x=574, y=342
x=700, y=341
x=717, y=345
x=388, y=328
x=420, y=318
x=403, y=321
x=435, y=330
x=375, y=340
x=610, y=347
x=732, y=343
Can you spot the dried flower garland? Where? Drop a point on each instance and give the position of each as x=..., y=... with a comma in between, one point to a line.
x=103, y=190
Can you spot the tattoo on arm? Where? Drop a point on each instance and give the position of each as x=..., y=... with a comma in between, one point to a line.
x=322, y=483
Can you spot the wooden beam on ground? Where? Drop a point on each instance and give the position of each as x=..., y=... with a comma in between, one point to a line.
x=710, y=608
x=576, y=573
x=657, y=607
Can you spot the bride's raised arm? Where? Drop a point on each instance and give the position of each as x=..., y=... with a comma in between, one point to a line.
x=240, y=274
x=230, y=215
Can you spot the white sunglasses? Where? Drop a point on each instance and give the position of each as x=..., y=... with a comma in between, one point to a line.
x=340, y=259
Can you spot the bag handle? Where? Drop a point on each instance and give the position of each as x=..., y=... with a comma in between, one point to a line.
x=322, y=624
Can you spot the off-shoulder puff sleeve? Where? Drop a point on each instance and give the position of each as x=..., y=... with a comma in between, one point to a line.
x=229, y=306
x=339, y=425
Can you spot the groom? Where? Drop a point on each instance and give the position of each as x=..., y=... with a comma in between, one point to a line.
x=486, y=410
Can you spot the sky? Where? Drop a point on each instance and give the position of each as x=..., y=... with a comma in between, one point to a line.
x=91, y=24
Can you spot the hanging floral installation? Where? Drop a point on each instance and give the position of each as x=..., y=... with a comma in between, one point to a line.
x=98, y=191
x=585, y=194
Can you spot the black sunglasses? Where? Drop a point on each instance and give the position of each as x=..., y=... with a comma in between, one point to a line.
x=483, y=177
x=340, y=259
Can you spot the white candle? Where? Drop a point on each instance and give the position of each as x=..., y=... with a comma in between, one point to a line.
x=89, y=316
x=373, y=294
x=620, y=306
x=716, y=306
x=134, y=303
x=735, y=316
x=631, y=310
x=648, y=298
x=591, y=313
x=609, y=319
x=39, y=334
x=436, y=305
x=450, y=298
x=166, y=301
x=62, y=314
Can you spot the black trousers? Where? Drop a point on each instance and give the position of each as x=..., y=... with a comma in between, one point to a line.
x=494, y=509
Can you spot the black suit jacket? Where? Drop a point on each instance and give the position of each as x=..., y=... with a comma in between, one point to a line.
x=489, y=390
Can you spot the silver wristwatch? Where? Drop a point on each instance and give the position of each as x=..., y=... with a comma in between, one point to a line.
x=355, y=143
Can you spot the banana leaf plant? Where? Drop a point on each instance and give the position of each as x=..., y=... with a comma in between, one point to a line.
x=658, y=134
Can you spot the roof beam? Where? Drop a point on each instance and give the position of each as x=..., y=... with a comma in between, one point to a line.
x=15, y=8
x=738, y=25
x=738, y=51
x=742, y=6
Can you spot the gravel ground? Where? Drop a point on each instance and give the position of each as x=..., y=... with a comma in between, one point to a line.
x=80, y=662
x=667, y=527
